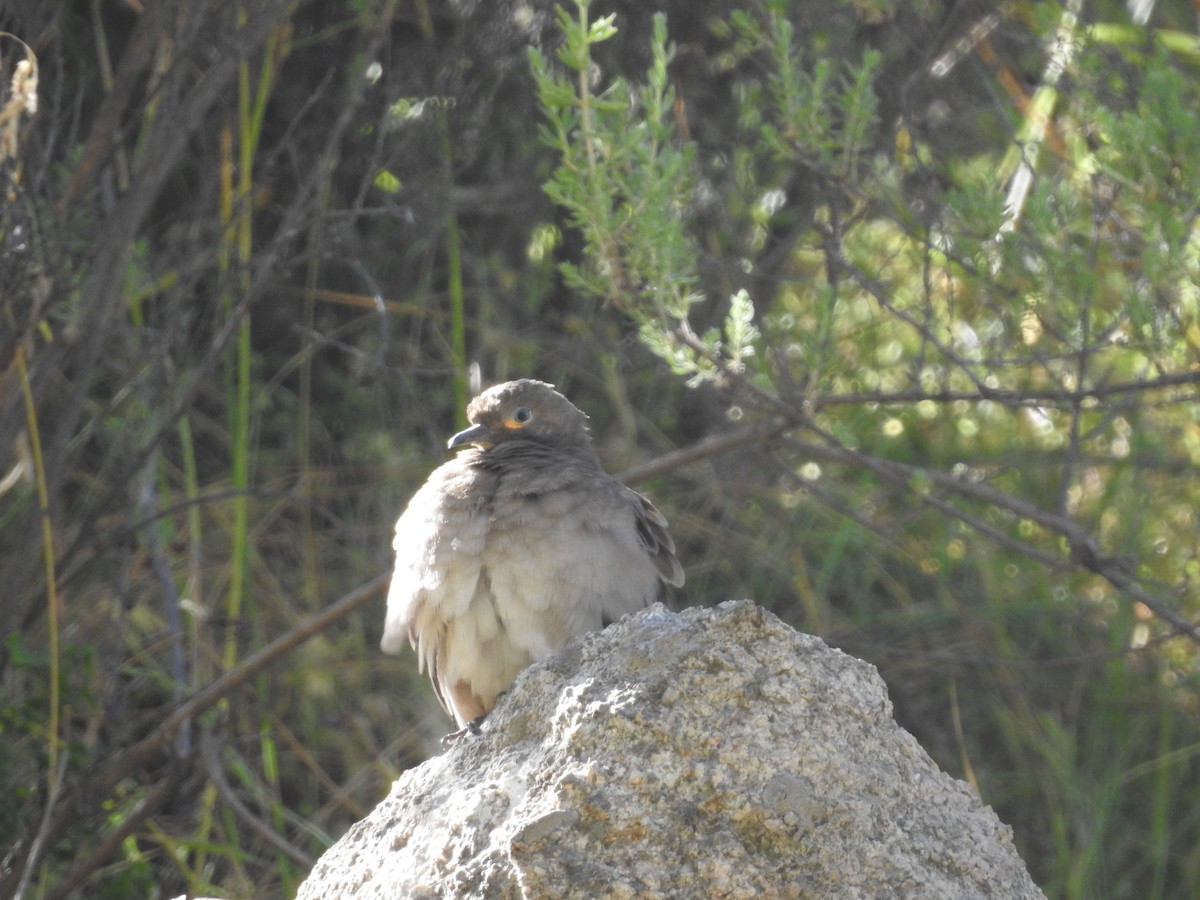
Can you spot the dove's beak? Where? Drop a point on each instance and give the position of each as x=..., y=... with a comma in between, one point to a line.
x=476, y=434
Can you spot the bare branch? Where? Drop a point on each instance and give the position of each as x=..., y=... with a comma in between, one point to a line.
x=1025, y=397
x=210, y=756
x=1085, y=552
x=138, y=756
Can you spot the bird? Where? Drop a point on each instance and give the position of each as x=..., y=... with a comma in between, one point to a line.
x=517, y=545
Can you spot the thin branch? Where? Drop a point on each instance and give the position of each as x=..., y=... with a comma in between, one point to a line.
x=102, y=786
x=216, y=776
x=1025, y=397
x=39, y=841
x=84, y=867
x=713, y=445
x=1084, y=550
x=732, y=371
x=872, y=287
x=208, y=697
x=843, y=455
x=267, y=265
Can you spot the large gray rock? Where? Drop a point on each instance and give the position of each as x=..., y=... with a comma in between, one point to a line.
x=711, y=753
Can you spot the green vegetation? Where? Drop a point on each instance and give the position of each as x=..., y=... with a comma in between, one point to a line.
x=893, y=310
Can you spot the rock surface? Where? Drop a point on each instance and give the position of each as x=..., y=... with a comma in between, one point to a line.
x=710, y=753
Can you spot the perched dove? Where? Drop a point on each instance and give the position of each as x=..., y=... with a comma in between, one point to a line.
x=517, y=545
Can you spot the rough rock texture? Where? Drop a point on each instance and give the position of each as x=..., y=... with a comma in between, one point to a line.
x=711, y=753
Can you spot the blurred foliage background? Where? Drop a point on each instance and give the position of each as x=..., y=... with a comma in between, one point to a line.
x=891, y=307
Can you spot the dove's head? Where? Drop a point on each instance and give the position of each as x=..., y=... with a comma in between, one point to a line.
x=524, y=410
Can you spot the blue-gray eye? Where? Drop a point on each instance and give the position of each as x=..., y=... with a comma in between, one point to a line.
x=522, y=415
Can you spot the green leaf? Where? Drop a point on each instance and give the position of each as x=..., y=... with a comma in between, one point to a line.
x=602, y=29
x=386, y=181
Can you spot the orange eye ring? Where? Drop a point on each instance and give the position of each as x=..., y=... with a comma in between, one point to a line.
x=519, y=419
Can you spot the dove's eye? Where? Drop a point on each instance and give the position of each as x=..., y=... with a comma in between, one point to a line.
x=521, y=417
